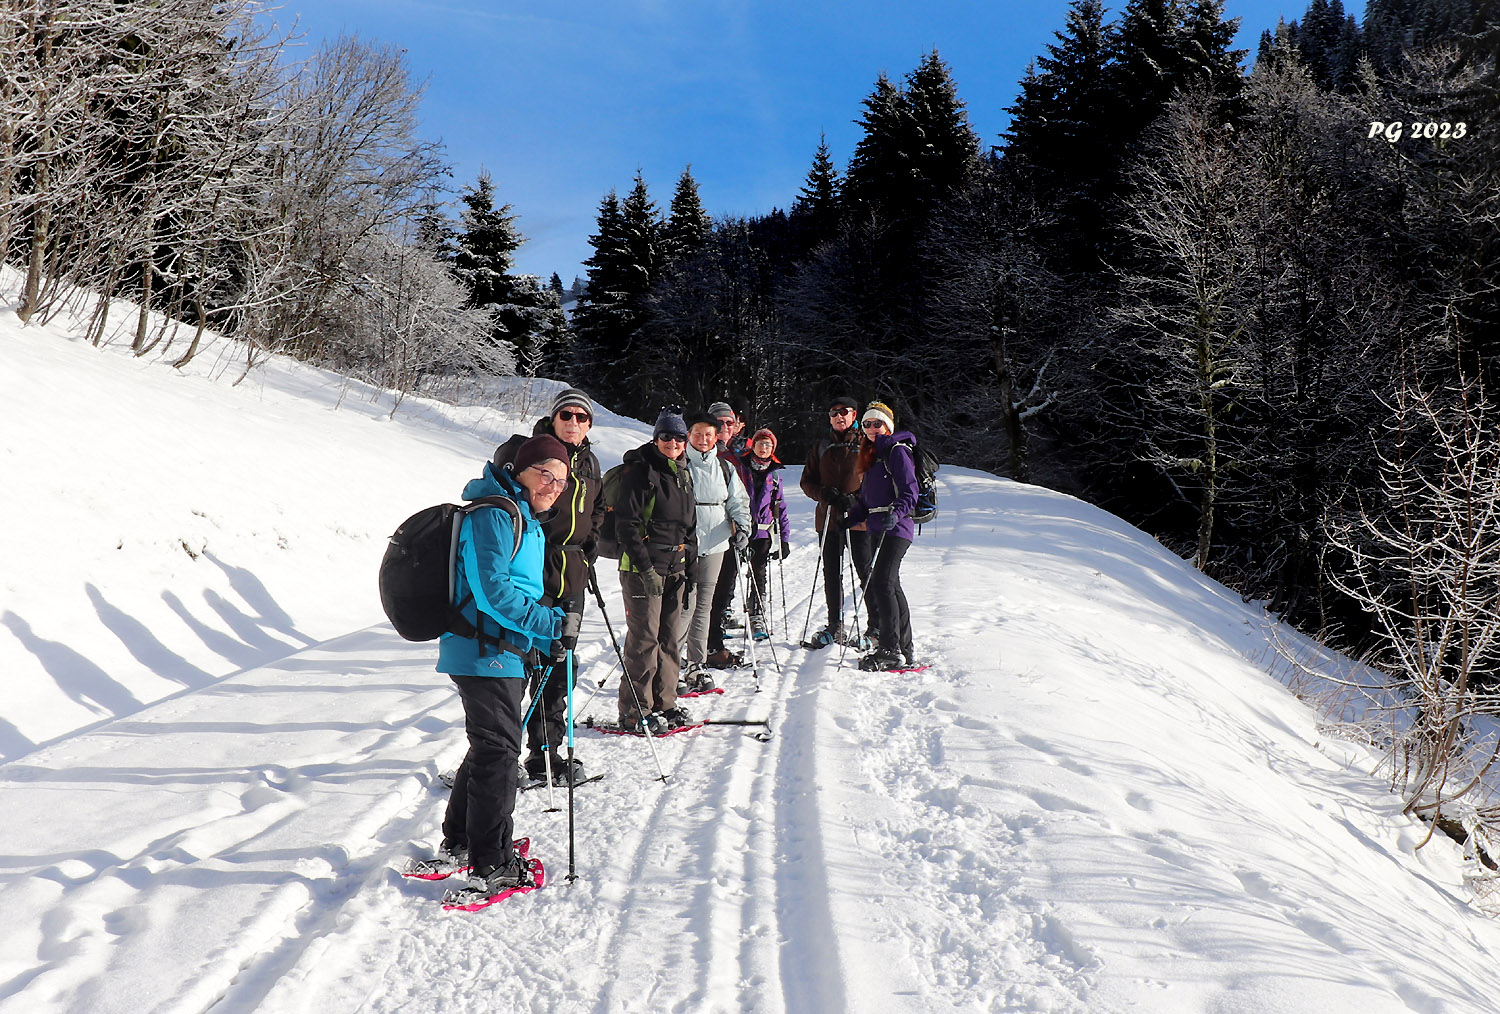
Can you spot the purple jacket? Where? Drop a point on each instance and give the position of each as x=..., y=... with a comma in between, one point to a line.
x=767, y=502
x=891, y=482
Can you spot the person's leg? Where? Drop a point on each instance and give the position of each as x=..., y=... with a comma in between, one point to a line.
x=885, y=575
x=833, y=571
x=705, y=580
x=723, y=599
x=492, y=721
x=671, y=627
x=548, y=718
x=760, y=552
x=642, y=616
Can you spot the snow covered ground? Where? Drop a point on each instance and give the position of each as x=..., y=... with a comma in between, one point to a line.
x=215, y=753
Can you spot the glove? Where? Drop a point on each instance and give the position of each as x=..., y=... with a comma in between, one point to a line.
x=652, y=580
x=590, y=547
x=785, y=549
x=687, y=596
x=569, y=639
x=741, y=541
x=831, y=495
x=891, y=521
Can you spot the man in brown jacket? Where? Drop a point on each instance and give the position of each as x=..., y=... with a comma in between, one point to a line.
x=832, y=476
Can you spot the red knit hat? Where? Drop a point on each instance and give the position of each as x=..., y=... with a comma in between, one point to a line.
x=764, y=433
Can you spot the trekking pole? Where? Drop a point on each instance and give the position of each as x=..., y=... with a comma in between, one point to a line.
x=817, y=572
x=760, y=597
x=536, y=698
x=854, y=588
x=547, y=747
x=572, y=873
x=625, y=675
x=781, y=578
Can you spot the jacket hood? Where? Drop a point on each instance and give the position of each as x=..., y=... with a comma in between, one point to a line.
x=497, y=482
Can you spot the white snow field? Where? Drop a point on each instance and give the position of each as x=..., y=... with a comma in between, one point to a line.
x=216, y=754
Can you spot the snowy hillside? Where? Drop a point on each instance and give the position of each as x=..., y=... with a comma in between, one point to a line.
x=216, y=753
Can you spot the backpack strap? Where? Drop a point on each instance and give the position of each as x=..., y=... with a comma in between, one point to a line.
x=505, y=503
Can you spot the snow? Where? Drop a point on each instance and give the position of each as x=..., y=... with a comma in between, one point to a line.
x=216, y=754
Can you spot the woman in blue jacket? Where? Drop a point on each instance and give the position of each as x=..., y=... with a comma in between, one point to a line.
x=499, y=586
x=887, y=498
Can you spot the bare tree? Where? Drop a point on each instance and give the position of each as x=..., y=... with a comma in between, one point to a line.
x=1426, y=566
x=1185, y=303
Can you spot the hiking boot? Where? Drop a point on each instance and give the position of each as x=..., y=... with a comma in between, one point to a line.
x=758, y=628
x=732, y=621
x=536, y=764
x=562, y=767
x=652, y=724
x=454, y=853
x=724, y=659
x=676, y=717
x=695, y=680
x=491, y=879
x=880, y=661
x=823, y=638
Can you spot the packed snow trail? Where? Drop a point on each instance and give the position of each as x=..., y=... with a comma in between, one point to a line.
x=1094, y=800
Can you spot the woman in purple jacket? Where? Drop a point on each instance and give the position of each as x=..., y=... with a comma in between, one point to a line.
x=760, y=466
x=886, y=498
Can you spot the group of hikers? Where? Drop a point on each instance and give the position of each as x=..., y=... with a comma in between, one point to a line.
x=689, y=507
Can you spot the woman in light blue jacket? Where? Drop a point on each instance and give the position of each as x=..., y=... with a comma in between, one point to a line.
x=498, y=581
x=723, y=523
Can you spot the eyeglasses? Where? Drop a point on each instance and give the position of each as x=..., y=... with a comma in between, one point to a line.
x=567, y=416
x=666, y=438
x=834, y=413
x=547, y=478
x=873, y=424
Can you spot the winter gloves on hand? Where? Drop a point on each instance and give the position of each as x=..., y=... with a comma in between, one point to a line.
x=837, y=498
x=652, y=580
x=785, y=549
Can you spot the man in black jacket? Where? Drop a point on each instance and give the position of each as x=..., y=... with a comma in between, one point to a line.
x=572, y=529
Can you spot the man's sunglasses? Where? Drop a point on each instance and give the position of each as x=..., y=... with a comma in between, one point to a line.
x=839, y=411
x=567, y=416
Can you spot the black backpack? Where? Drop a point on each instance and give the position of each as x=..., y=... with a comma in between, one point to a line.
x=609, y=496
x=926, y=465
x=416, y=575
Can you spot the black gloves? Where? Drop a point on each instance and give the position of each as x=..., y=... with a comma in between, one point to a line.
x=837, y=498
x=568, y=640
x=785, y=549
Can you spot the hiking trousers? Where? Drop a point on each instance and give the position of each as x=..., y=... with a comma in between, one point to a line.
x=484, y=789
x=654, y=628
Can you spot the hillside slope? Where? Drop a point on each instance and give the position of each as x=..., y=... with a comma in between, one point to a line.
x=1095, y=799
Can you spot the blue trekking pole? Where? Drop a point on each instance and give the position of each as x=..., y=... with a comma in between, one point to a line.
x=572, y=875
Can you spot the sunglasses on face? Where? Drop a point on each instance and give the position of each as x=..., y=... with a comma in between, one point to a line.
x=834, y=413
x=567, y=416
x=873, y=424
x=671, y=440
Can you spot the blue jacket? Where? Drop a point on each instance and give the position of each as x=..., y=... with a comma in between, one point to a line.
x=506, y=593
x=890, y=483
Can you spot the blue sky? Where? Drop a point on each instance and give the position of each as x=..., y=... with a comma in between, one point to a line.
x=561, y=106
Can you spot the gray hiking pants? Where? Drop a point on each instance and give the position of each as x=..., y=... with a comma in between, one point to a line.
x=705, y=580
x=654, y=625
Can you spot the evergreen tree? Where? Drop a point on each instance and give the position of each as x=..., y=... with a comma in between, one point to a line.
x=555, y=284
x=1150, y=61
x=945, y=148
x=486, y=245
x=817, y=206
x=1210, y=60
x=608, y=318
x=880, y=173
x=688, y=225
